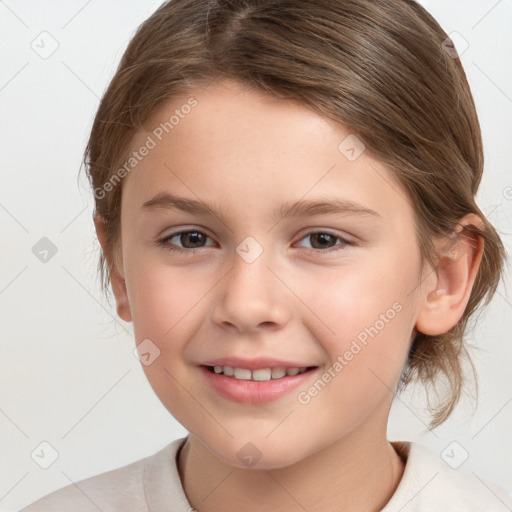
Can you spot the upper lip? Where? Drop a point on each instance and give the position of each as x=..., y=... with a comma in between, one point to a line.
x=256, y=363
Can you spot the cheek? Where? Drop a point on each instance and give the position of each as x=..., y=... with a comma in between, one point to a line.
x=167, y=306
x=364, y=313
x=164, y=299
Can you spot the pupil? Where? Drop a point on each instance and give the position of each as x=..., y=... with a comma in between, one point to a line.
x=192, y=235
x=324, y=237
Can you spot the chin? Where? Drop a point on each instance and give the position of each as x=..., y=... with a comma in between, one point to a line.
x=257, y=454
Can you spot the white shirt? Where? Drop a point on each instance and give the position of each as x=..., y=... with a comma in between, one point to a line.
x=153, y=484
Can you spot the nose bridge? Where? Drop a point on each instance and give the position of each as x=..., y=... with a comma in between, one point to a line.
x=251, y=294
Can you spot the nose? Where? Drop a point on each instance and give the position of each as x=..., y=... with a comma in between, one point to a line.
x=252, y=297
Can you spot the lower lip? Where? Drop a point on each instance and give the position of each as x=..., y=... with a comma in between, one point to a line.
x=253, y=391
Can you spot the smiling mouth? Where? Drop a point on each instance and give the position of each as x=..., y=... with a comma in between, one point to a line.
x=260, y=374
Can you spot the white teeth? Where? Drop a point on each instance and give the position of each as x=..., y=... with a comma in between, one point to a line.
x=261, y=374
x=227, y=370
x=242, y=373
x=277, y=373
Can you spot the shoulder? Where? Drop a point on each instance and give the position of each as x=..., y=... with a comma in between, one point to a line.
x=430, y=484
x=122, y=489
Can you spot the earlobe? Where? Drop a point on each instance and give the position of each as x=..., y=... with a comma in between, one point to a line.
x=455, y=273
x=116, y=276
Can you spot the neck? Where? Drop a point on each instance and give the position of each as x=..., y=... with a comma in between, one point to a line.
x=353, y=474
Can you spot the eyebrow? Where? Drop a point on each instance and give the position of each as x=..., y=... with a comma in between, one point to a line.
x=164, y=201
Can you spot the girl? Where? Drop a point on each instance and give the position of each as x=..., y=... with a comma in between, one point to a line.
x=285, y=200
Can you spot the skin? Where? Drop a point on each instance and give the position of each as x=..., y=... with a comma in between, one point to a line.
x=247, y=151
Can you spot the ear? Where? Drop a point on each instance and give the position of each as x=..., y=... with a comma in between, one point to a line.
x=455, y=273
x=116, y=271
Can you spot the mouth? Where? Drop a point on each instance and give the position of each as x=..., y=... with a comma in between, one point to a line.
x=258, y=385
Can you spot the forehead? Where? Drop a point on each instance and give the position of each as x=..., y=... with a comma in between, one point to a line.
x=230, y=141
x=230, y=108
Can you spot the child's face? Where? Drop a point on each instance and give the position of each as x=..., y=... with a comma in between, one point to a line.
x=244, y=154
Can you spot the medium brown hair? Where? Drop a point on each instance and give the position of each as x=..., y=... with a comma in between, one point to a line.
x=380, y=67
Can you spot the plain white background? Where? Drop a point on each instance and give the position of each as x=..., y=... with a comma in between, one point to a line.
x=68, y=375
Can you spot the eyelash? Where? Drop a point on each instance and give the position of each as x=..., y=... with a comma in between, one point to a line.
x=165, y=242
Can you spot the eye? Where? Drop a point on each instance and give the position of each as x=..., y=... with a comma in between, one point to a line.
x=193, y=238
x=323, y=241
